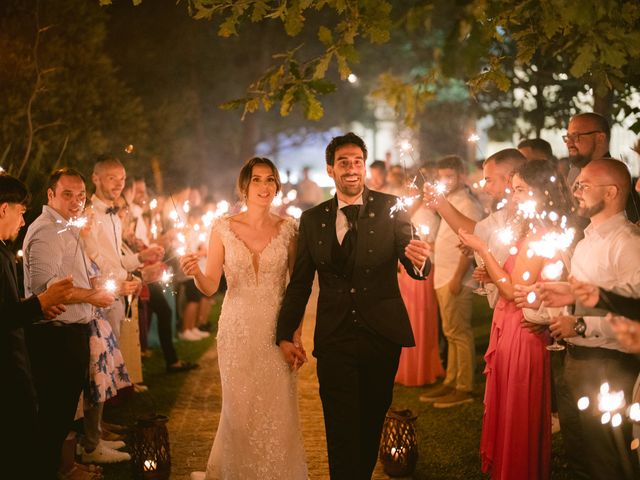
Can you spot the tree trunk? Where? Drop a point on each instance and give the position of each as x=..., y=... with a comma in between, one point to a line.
x=603, y=103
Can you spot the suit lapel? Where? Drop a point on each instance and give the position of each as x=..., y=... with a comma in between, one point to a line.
x=327, y=232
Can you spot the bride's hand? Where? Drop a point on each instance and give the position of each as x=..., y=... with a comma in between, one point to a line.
x=189, y=264
x=292, y=354
x=297, y=341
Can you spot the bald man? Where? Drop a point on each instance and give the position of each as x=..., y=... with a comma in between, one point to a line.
x=609, y=257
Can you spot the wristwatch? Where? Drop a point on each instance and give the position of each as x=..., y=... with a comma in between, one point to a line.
x=580, y=327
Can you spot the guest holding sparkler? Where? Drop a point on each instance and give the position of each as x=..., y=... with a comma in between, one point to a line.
x=151, y=273
x=59, y=348
x=453, y=285
x=516, y=430
x=497, y=171
x=608, y=256
x=18, y=404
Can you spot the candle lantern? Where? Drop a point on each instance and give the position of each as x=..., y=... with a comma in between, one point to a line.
x=150, y=454
x=399, y=445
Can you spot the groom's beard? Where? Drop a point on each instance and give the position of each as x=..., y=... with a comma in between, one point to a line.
x=350, y=189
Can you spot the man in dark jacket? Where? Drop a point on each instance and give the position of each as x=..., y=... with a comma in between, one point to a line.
x=354, y=242
x=18, y=401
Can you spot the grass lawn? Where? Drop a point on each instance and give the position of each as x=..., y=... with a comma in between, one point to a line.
x=163, y=391
x=449, y=438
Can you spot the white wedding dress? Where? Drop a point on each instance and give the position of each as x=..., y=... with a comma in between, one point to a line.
x=259, y=434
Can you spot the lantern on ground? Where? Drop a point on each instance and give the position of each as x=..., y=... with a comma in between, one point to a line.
x=150, y=454
x=399, y=445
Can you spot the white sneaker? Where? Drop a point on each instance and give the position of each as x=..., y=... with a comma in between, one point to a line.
x=113, y=444
x=188, y=336
x=198, y=475
x=104, y=454
x=199, y=333
x=140, y=388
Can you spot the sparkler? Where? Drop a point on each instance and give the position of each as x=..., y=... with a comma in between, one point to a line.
x=475, y=139
x=110, y=285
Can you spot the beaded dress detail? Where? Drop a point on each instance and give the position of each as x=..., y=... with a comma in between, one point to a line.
x=259, y=434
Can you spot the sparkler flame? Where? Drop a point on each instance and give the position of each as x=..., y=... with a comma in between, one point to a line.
x=553, y=243
x=401, y=205
x=110, y=285
x=76, y=222
x=473, y=138
x=609, y=401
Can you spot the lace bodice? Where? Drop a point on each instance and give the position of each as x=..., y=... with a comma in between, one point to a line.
x=239, y=268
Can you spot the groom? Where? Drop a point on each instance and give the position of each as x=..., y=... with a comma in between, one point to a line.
x=354, y=244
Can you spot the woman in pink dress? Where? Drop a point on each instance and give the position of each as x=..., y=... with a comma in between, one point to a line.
x=516, y=428
x=421, y=365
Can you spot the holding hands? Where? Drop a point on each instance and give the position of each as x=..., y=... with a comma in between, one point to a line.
x=293, y=352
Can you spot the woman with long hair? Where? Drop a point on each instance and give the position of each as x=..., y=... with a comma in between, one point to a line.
x=516, y=428
x=259, y=434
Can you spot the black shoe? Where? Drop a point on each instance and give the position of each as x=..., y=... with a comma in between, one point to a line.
x=181, y=367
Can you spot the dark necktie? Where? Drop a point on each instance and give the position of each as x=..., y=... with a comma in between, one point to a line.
x=350, y=238
x=112, y=210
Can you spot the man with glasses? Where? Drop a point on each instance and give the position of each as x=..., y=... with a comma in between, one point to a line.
x=588, y=136
x=587, y=139
x=607, y=257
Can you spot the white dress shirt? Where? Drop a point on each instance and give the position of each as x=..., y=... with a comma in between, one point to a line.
x=342, y=223
x=485, y=229
x=105, y=245
x=446, y=251
x=609, y=257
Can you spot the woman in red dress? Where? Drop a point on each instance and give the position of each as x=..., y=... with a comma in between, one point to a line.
x=516, y=428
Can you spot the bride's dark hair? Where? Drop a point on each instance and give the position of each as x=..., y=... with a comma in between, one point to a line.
x=247, y=170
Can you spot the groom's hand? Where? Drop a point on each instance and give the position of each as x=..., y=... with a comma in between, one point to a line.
x=292, y=354
x=417, y=251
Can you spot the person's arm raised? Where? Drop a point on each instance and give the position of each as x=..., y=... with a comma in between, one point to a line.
x=208, y=281
x=450, y=214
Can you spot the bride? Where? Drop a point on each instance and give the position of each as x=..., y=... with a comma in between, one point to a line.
x=259, y=433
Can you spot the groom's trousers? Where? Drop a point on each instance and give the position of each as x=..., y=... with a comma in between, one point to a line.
x=356, y=372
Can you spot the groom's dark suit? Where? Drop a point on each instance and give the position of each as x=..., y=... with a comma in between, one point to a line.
x=361, y=323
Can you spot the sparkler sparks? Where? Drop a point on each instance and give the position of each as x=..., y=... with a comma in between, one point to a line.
x=110, y=285
x=401, y=204
x=553, y=243
x=553, y=271
x=76, y=222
